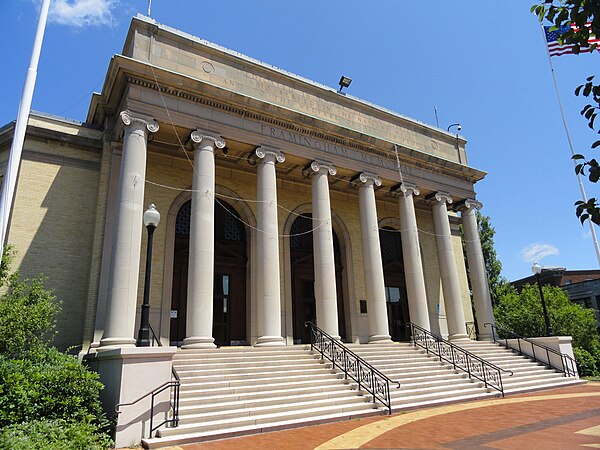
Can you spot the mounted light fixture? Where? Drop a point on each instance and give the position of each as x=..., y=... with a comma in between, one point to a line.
x=457, y=125
x=344, y=82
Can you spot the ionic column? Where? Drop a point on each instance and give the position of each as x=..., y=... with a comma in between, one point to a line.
x=477, y=272
x=125, y=260
x=411, y=251
x=268, y=286
x=372, y=263
x=450, y=287
x=199, y=320
x=324, y=258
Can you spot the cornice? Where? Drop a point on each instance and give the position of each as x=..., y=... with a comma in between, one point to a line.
x=126, y=71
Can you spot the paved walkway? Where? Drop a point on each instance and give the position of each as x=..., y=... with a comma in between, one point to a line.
x=566, y=418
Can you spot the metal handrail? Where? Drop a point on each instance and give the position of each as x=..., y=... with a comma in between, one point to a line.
x=173, y=403
x=568, y=366
x=368, y=377
x=473, y=365
x=154, y=337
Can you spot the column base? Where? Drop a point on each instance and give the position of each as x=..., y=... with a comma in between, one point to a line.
x=118, y=342
x=485, y=337
x=459, y=337
x=380, y=339
x=198, y=342
x=269, y=341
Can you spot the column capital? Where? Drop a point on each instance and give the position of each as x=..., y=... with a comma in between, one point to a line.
x=128, y=118
x=266, y=153
x=316, y=166
x=366, y=178
x=439, y=196
x=404, y=189
x=198, y=136
x=467, y=204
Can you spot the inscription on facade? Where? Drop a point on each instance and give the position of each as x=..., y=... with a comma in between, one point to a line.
x=368, y=159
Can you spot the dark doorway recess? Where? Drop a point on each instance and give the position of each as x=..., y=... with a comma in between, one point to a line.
x=303, y=279
x=395, y=284
x=229, y=300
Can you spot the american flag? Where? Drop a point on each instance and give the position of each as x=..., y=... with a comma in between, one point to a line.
x=556, y=49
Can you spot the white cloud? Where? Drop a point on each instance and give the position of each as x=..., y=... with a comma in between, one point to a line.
x=82, y=13
x=536, y=252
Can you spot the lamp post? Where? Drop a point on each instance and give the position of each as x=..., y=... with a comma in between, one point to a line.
x=537, y=270
x=151, y=219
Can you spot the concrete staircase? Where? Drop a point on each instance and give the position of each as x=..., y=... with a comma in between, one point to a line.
x=528, y=374
x=243, y=390
x=425, y=381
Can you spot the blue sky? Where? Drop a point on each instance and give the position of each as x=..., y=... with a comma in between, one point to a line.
x=482, y=64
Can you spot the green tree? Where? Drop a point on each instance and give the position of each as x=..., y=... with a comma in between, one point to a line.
x=493, y=267
x=578, y=20
x=522, y=314
x=47, y=399
x=498, y=284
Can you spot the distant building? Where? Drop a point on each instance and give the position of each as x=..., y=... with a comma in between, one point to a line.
x=582, y=286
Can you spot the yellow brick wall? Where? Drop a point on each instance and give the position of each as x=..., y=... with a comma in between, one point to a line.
x=52, y=227
x=291, y=195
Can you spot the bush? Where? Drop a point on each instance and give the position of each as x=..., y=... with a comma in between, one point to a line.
x=586, y=363
x=48, y=399
x=49, y=387
x=52, y=435
x=27, y=312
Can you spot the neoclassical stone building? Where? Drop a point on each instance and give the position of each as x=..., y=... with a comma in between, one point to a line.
x=282, y=201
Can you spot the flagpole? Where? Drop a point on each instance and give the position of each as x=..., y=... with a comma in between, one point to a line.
x=16, y=149
x=562, y=115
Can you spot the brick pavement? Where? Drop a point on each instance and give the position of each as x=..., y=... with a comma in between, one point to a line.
x=565, y=418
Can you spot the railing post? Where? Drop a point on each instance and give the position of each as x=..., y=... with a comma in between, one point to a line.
x=484, y=377
x=151, y=415
x=453, y=359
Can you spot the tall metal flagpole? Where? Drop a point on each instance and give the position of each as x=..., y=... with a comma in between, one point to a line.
x=562, y=114
x=16, y=149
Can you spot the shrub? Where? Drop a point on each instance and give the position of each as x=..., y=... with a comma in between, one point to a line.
x=27, y=312
x=50, y=386
x=52, y=435
x=586, y=363
x=48, y=399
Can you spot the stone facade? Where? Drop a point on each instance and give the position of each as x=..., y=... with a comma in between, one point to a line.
x=180, y=119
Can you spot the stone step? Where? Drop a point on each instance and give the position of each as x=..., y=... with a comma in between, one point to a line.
x=191, y=389
x=187, y=438
x=248, y=411
x=431, y=402
x=400, y=399
x=270, y=378
x=209, y=396
x=249, y=373
x=192, y=406
x=267, y=418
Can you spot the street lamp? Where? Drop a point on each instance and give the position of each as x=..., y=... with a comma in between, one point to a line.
x=457, y=125
x=537, y=270
x=151, y=219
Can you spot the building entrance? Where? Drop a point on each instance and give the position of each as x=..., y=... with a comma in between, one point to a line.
x=395, y=284
x=303, y=279
x=229, y=293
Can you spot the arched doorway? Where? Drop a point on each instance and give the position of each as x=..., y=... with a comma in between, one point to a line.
x=229, y=294
x=303, y=279
x=395, y=284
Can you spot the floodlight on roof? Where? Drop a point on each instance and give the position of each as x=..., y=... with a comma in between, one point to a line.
x=344, y=82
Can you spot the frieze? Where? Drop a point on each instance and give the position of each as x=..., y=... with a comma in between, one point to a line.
x=292, y=133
